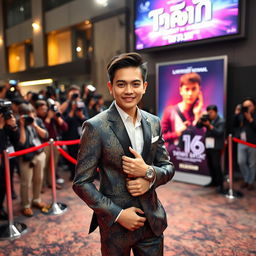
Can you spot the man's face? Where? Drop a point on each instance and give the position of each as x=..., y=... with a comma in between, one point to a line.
x=190, y=92
x=212, y=114
x=249, y=105
x=127, y=87
x=42, y=111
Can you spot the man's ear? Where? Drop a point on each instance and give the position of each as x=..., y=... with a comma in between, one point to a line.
x=145, y=85
x=110, y=87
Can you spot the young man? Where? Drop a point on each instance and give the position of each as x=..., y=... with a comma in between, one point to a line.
x=176, y=119
x=126, y=144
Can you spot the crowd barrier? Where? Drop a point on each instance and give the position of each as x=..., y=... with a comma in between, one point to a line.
x=14, y=230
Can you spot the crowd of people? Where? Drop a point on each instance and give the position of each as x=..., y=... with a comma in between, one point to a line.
x=30, y=120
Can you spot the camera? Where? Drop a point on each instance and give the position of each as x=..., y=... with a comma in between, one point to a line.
x=28, y=119
x=5, y=109
x=74, y=96
x=205, y=118
x=244, y=109
x=80, y=105
x=53, y=107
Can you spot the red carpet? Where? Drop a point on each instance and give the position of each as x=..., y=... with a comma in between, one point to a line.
x=201, y=222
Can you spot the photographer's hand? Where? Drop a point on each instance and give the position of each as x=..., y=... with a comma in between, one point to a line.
x=248, y=116
x=11, y=122
x=2, y=121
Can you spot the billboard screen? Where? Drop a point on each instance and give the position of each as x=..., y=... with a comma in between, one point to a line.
x=171, y=22
x=180, y=110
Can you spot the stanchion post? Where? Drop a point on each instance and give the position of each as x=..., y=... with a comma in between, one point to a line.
x=11, y=230
x=231, y=194
x=56, y=207
x=53, y=176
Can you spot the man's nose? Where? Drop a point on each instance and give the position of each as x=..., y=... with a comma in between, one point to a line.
x=128, y=89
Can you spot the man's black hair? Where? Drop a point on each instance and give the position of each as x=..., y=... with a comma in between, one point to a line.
x=126, y=60
x=212, y=107
x=250, y=99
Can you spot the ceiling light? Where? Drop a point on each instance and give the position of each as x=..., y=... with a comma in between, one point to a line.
x=104, y=3
x=36, y=82
x=78, y=49
x=35, y=26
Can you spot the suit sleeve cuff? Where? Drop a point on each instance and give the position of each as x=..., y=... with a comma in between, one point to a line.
x=118, y=215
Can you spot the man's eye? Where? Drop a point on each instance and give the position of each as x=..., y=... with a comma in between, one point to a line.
x=136, y=85
x=121, y=85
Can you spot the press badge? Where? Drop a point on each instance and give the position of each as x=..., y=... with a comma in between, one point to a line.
x=209, y=142
x=243, y=135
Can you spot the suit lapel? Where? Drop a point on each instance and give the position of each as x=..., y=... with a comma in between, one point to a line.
x=146, y=136
x=117, y=125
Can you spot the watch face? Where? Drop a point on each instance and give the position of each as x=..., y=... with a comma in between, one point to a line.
x=150, y=173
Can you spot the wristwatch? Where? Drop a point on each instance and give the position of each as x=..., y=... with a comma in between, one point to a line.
x=150, y=174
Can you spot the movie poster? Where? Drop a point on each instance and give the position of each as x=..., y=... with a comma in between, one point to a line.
x=181, y=105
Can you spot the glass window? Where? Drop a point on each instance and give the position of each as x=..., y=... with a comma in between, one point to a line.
x=83, y=40
x=59, y=47
x=20, y=57
x=16, y=58
x=51, y=4
x=16, y=12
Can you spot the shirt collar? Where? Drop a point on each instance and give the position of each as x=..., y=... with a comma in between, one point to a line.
x=125, y=116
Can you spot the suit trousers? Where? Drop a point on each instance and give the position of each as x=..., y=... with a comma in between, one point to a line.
x=31, y=173
x=214, y=163
x=119, y=241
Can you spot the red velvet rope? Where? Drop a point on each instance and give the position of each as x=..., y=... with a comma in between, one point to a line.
x=66, y=142
x=67, y=156
x=244, y=142
x=28, y=150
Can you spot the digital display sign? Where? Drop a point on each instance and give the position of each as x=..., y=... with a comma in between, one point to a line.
x=160, y=23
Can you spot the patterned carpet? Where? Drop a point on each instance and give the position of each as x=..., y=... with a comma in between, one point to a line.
x=201, y=222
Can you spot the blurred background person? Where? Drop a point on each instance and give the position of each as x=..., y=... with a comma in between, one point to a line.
x=32, y=133
x=74, y=116
x=9, y=135
x=214, y=143
x=245, y=129
x=55, y=125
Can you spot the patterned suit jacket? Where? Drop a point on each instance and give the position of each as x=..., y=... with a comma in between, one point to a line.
x=103, y=143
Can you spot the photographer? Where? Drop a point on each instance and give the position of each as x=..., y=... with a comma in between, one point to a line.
x=9, y=135
x=214, y=142
x=74, y=119
x=32, y=131
x=245, y=129
x=55, y=125
x=73, y=96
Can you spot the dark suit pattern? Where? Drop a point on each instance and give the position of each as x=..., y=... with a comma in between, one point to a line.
x=214, y=154
x=103, y=143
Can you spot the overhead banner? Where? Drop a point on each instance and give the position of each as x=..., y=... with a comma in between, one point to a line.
x=184, y=90
x=161, y=23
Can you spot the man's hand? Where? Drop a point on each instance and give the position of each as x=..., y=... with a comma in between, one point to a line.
x=134, y=167
x=11, y=122
x=138, y=186
x=130, y=220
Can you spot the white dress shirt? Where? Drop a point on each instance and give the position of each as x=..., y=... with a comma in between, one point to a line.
x=134, y=131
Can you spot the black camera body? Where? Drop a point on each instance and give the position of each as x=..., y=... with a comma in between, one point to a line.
x=28, y=119
x=205, y=118
x=5, y=109
x=244, y=109
x=74, y=96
